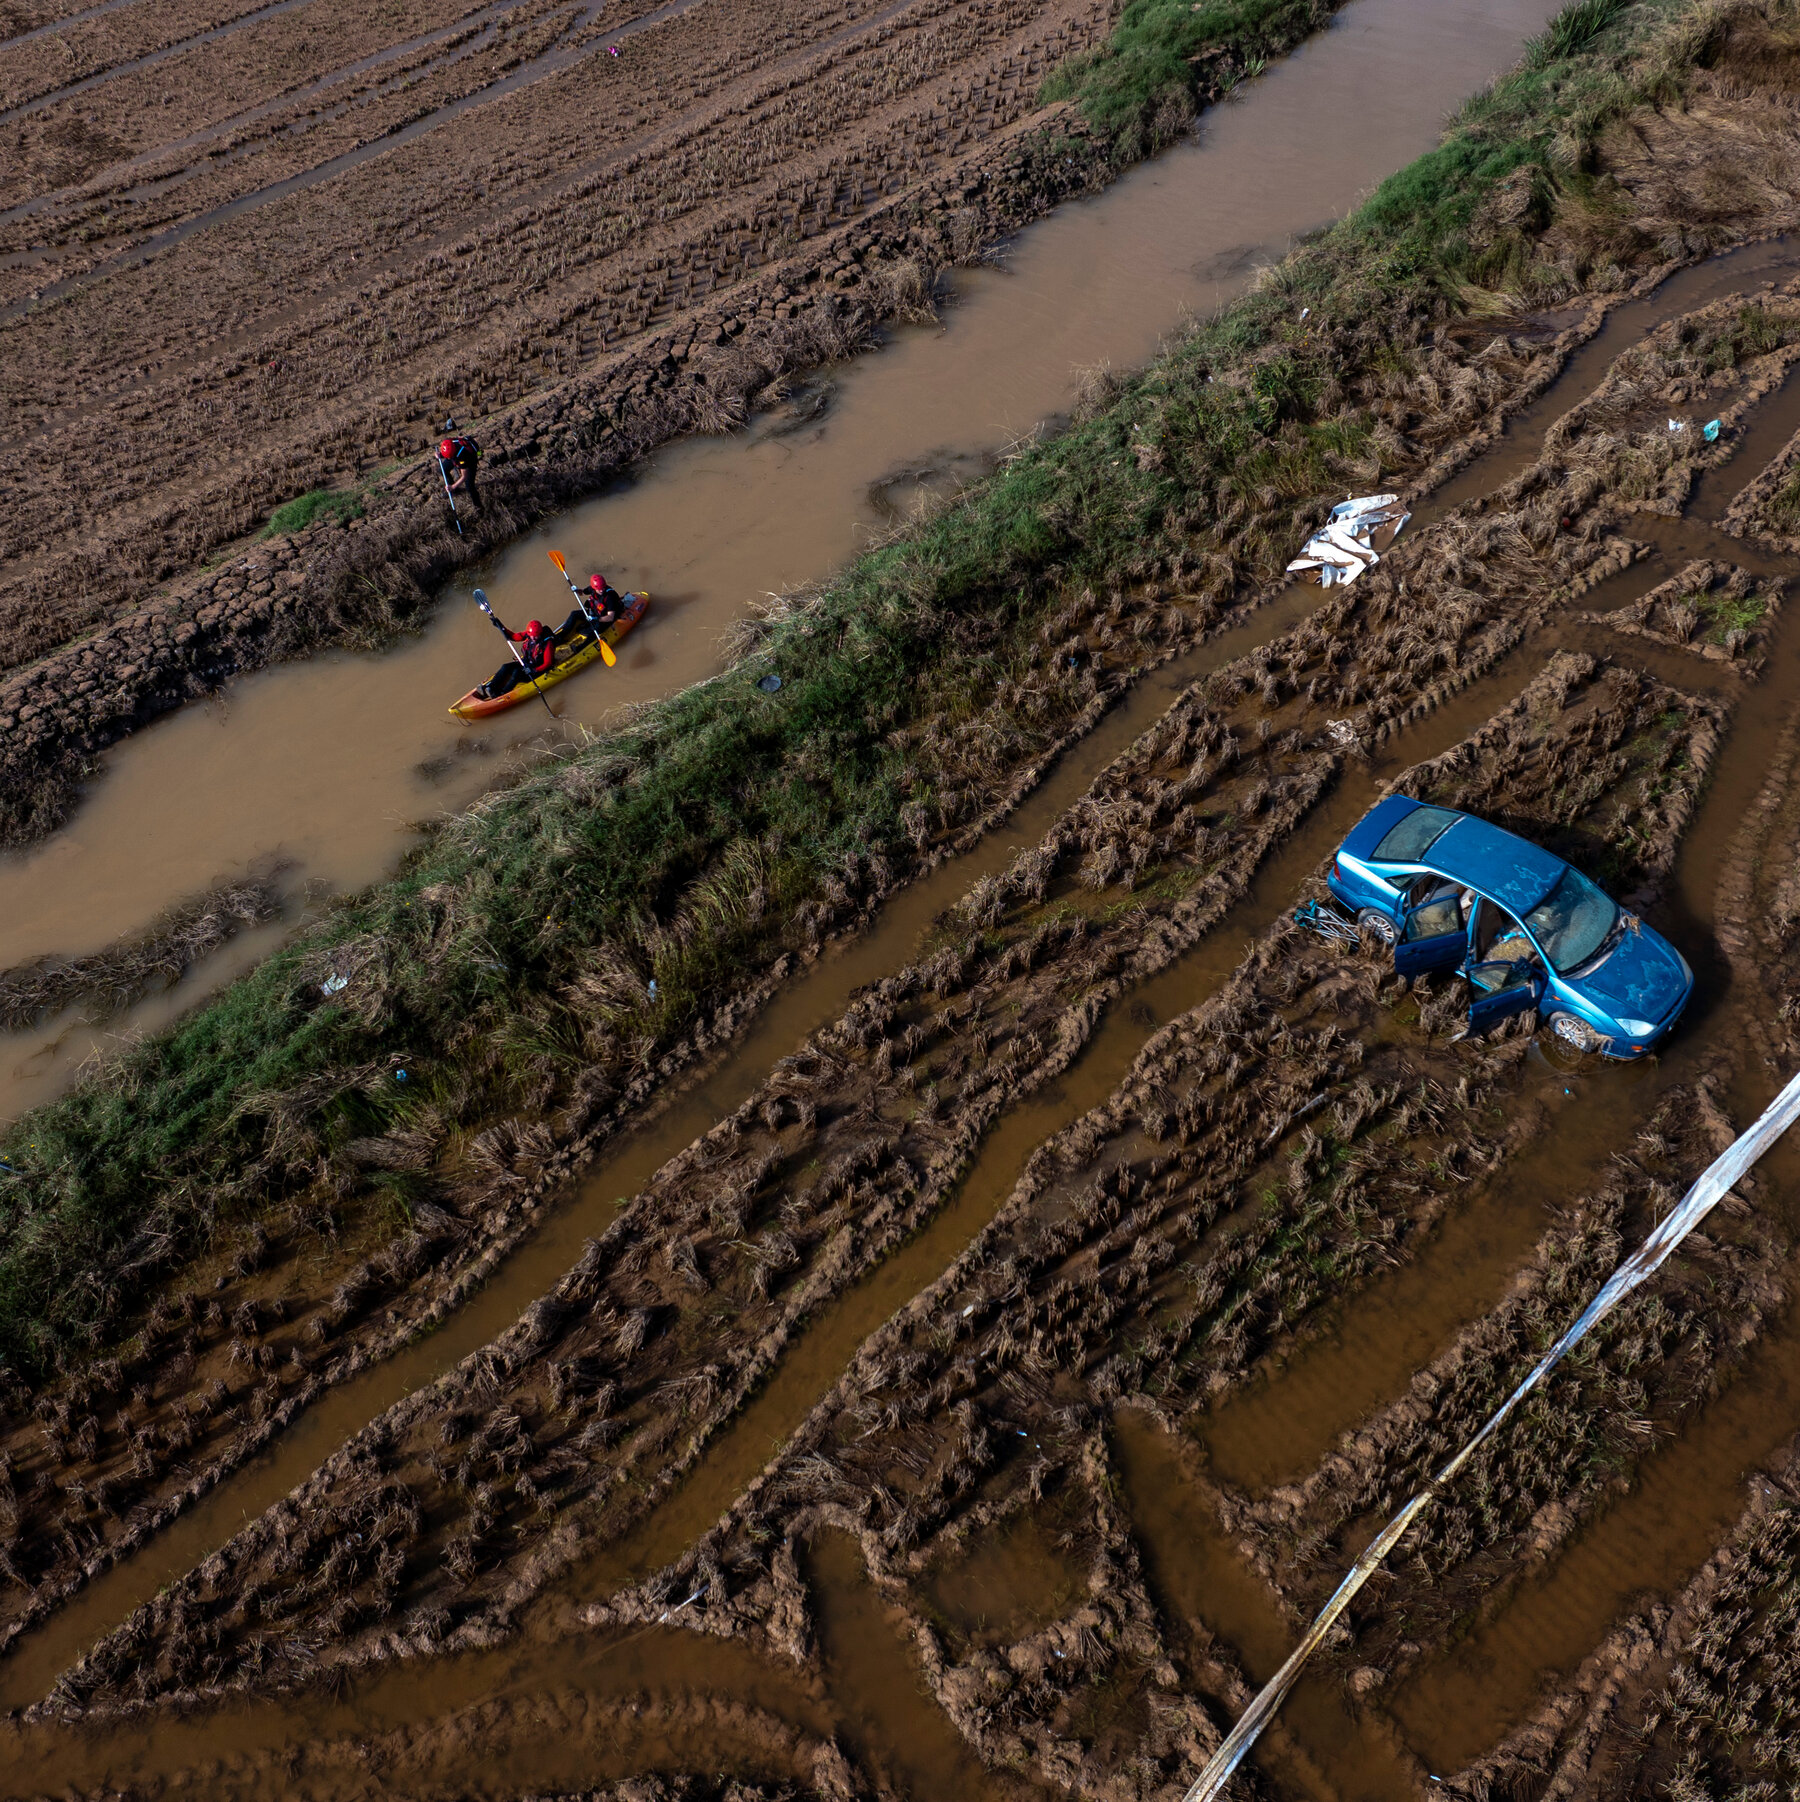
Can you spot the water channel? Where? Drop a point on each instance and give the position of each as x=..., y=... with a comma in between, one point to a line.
x=331, y=764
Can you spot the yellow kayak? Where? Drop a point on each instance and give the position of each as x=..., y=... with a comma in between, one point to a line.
x=578, y=653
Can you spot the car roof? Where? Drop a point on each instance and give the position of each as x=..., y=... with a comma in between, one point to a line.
x=1510, y=869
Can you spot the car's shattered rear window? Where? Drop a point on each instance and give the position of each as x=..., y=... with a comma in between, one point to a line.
x=1415, y=835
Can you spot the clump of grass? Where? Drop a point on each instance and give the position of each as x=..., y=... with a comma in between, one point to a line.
x=1727, y=613
x=1140, y=87
x=321, y=503
x=1784, y=504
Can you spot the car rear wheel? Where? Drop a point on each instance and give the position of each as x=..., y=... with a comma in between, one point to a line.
x=1574, y=1032
x=1377, y=925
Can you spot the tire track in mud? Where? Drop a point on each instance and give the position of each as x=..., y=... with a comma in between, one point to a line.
x=39, y=103
x=1524, y=431
x=619, y=1705
x=1305, y=856
x=553, y=61
x=105, y=182
x=1458, y=1706
x=514, y=1275
x=68, y=19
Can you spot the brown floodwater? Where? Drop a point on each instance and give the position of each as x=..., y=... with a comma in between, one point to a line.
x=331, y=763
x=1655, y=1537
x=546, y=1714
x=1320, y=1748
x=1658, y=1534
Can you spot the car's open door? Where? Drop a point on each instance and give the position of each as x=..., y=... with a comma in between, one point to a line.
x=1432, y=936
x=1502, y=989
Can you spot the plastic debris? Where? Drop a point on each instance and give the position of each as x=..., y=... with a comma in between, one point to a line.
x=1677, y=425
x=333, y=985
x=399, y=1076
x=769, y=683
x=1345, y=545
x=1710, y=431
x=652, y=988
x=1324, y=919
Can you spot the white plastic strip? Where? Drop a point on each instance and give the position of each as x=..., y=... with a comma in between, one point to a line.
x=1713, y=1185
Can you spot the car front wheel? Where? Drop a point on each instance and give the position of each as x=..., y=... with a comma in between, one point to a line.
x=1574, y=1032
x=1377, y=925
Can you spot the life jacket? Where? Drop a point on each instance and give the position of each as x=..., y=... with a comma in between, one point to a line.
x=540, y=653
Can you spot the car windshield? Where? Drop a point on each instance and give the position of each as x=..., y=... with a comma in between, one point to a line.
x=1415, y=835
x=1571, y=923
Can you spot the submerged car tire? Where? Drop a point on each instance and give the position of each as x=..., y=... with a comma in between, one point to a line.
x=1575, y=1032
x=1371, y=920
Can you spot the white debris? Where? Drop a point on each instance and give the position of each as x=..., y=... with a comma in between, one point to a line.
x=1345, y=545
x=333, y=985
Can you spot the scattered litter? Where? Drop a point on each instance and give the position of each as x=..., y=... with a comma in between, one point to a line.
x=1341, y=732
x=333, y=985
x=1324, y=919
x=1344, y=546
x=399, y=1076
x=1305, y=314
x=612, y=49
x=652, y=988
x=1710, y=431
x=1677, y=425
x=769, y=683
x=670, y=1613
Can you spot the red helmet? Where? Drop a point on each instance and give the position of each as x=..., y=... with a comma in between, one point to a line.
x=597, y=583
x=536, y=628
x=447, y=448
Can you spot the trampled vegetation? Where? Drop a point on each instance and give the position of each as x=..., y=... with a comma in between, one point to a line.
x=554, y=944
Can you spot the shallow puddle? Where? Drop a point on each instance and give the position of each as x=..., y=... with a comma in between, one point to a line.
x=890, y=1722
x=1013, y=1580
x=1321, y=1749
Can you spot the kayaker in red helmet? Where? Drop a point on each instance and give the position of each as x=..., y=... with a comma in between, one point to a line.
x=606, y=602
x=537, y=655
x=459, y=456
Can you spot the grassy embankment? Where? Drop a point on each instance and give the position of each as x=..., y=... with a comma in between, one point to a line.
x=508, y=968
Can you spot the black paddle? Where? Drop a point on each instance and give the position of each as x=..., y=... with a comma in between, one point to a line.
x=481, y=601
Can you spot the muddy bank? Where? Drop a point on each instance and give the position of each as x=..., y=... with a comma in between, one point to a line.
x=1170, y=1245
x=360, y=580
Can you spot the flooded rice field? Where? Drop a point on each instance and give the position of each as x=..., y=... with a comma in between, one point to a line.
x=975, y=1378
x=322, y=769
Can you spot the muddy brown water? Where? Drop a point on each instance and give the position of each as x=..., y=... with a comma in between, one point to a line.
x=527, y=1717
x=1698, y=1491
x=1523, y=436
x=1320, y=1749
x=330, y=763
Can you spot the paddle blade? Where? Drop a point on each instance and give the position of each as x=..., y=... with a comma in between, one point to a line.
x=556, y=557
x=606, y=655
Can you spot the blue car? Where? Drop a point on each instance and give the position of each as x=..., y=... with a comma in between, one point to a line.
x=1450, y=891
